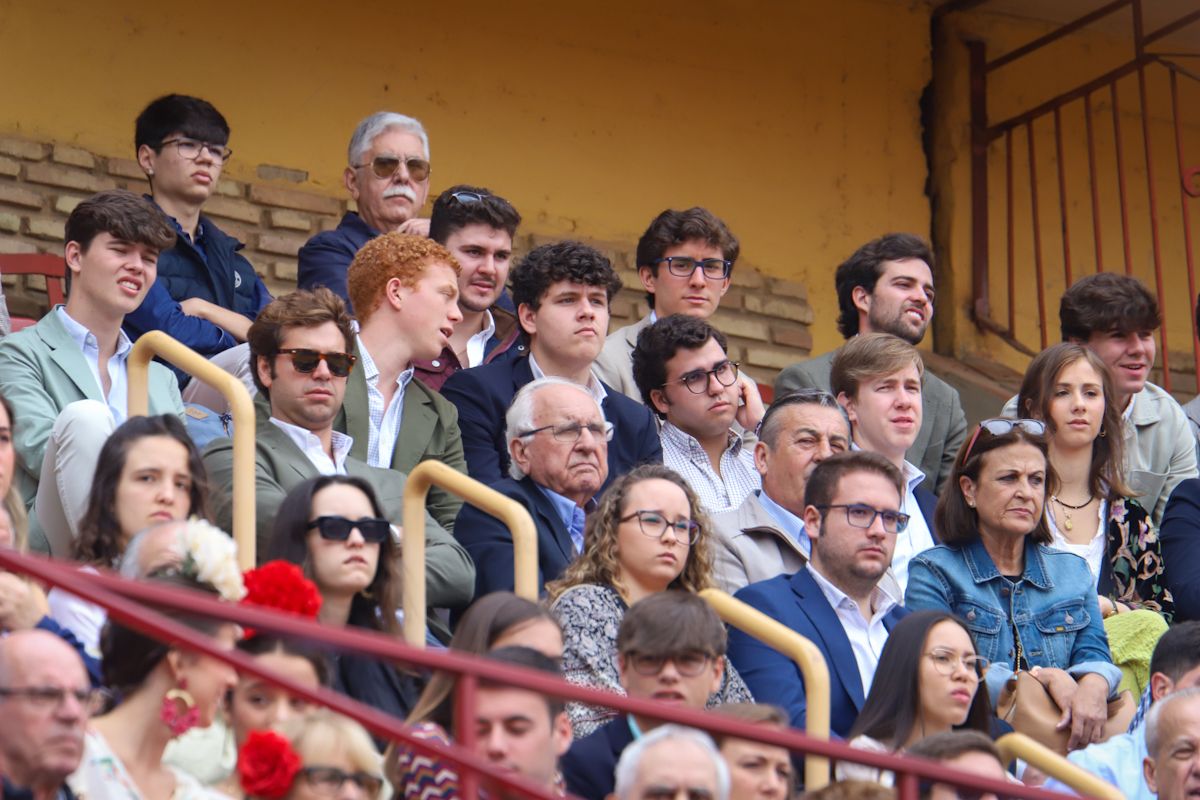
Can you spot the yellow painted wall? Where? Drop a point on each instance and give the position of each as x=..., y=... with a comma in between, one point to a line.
x=798, y=122
x=1019, y=87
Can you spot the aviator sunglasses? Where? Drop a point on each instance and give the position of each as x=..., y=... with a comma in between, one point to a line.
x=306, y=361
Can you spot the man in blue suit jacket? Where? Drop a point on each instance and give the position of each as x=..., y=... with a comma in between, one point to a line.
x=558, y=440
x=844, y=600
x=562, y=292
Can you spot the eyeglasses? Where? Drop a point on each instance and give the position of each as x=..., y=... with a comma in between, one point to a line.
x=861, y=515
x=999, y=426
x=689, y=665
x=572, y=431
x=696, y=382
x=947, y=661
x=337, y=529
x=329, y=780
x=715, y=269
x=387, y=166
x=654, y=525
x=466, y=198
x=307, y=360
x=51, y=698
x=190, y=149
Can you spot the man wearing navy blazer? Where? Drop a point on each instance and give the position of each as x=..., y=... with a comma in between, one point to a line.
x=562, y=293
x=844, y=600
x=558, y=440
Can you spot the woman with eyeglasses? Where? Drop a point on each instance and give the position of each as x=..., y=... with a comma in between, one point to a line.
x=1093, y=514
x=648, y=534
x=333, y=526
x=1027, y=605
x=927, y=683
x=323, y=756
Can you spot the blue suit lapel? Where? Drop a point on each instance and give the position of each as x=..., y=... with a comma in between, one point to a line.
x=843, y=666
x=544, y=509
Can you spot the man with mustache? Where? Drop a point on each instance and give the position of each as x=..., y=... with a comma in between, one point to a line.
x=301, y=346
x=886, y=286
x=670, y=648
x=682, y=369
x=477, y=227
x=562, y=292
x=387, y=176
x=842, y=600
x=685, y=260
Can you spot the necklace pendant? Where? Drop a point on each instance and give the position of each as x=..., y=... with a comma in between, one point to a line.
x=1067, y=524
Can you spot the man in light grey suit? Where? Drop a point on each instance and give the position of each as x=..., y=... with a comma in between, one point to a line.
x=765, y=536
x=685, y=260
x=66, y=376
x=887, y=287
x=301, y=349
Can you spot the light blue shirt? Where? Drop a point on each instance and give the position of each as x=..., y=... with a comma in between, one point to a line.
x=571, y=515
x=116, y=368
x=789, y=523
x=1117, y=761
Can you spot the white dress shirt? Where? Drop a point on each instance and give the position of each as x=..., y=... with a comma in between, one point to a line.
x=385, y=422
x=594, y=386
x=308, y=442
x=477, y=344
x=917, y=537
x=866, y=638
x=117, y=367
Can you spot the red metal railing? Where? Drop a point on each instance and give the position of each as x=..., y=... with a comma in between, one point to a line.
x=138, y=604
x=1148, y=262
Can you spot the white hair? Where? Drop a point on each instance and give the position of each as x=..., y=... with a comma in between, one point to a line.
x=519, y=418
x=1154, y=718
x=130, y=565
x=364, y=135
x=631, y=758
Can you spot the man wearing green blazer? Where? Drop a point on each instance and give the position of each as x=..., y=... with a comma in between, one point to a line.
x=299, y=346
x=66, y=377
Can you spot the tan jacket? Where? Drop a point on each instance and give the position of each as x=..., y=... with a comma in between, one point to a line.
x=614, y=365
x=749, y=547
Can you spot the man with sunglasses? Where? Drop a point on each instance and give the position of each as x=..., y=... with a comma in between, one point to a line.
x=558, y=439
x=670, y=648
x=684, y=373
x=477, y=227
x=685, y=262
x=843, y=600
x=300, y=345
x=46, y=700
x=207, y=293
x=387, y=176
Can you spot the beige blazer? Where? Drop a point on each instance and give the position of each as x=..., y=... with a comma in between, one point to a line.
x=614, y=365
x=749, y=547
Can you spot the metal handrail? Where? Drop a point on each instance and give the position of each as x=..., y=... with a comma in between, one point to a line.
x=1018, y=745
x=434, y=473
x=806, y=655
x=157, y=343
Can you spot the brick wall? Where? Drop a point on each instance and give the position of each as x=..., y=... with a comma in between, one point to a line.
x=766, y=319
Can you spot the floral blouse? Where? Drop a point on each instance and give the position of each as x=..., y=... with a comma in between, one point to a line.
x=102, y=776
x=590, y=615
x=1135, y=557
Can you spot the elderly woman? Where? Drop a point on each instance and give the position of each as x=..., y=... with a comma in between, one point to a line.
x=1027, y=606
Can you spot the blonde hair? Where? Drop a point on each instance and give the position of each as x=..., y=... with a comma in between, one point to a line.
x=868, y=356
x=317, y=735
x=600, y=561
x=393, y=255
x=18, y=519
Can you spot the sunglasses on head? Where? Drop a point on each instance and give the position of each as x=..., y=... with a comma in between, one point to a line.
x=387, y=166
x=307, y=360
x=1000, y=426
x=337, y=529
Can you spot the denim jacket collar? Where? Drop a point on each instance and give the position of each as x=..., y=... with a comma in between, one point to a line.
x=983, y=568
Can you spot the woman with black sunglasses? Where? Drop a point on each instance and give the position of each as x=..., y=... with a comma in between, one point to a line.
x=1027, y=606
x=334, y=527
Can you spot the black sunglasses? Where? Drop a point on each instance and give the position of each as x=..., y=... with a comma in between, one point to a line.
x=307, y=360
x=337, y=529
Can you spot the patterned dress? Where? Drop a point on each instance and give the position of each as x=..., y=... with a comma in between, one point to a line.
x=102, y=776
x=590, y=615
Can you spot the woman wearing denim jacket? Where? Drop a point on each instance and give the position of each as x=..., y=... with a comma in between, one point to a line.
x=1028, y=606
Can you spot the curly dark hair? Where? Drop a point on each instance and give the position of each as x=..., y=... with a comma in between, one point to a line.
x=568, y=260
x=671, y=228
x=864, y=267
x=658, y=343
x=1107, y=302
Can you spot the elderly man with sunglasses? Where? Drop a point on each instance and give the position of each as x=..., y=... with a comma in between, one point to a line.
x=387, y=176
x=300, y=347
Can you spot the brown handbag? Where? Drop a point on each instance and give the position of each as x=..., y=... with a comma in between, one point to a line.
x=1027, y=705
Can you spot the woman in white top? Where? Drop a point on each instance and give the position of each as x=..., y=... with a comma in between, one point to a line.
x=1093, y=514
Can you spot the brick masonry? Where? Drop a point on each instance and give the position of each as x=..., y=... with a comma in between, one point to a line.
x=766, y=319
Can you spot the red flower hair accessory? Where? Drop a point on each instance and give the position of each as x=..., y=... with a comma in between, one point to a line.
x=281, y=585
x=267, y=765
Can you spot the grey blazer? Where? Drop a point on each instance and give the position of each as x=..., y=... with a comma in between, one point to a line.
x=748, y=547
x=943, y=423
x=614, y=365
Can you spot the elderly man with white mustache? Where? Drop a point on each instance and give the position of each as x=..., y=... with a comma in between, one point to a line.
x=387, y=176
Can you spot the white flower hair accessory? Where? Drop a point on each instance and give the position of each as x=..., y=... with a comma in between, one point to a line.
x=210, y=555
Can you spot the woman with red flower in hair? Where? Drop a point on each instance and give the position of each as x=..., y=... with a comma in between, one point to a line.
x=318, y=757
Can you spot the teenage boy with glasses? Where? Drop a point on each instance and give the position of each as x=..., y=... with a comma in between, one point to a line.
x=671, y=648
x=682, y=369
x=685, y=260
x=207, y=293
x=301, y=347
x=843, y=600
x=387, y=176
x=477, y=227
